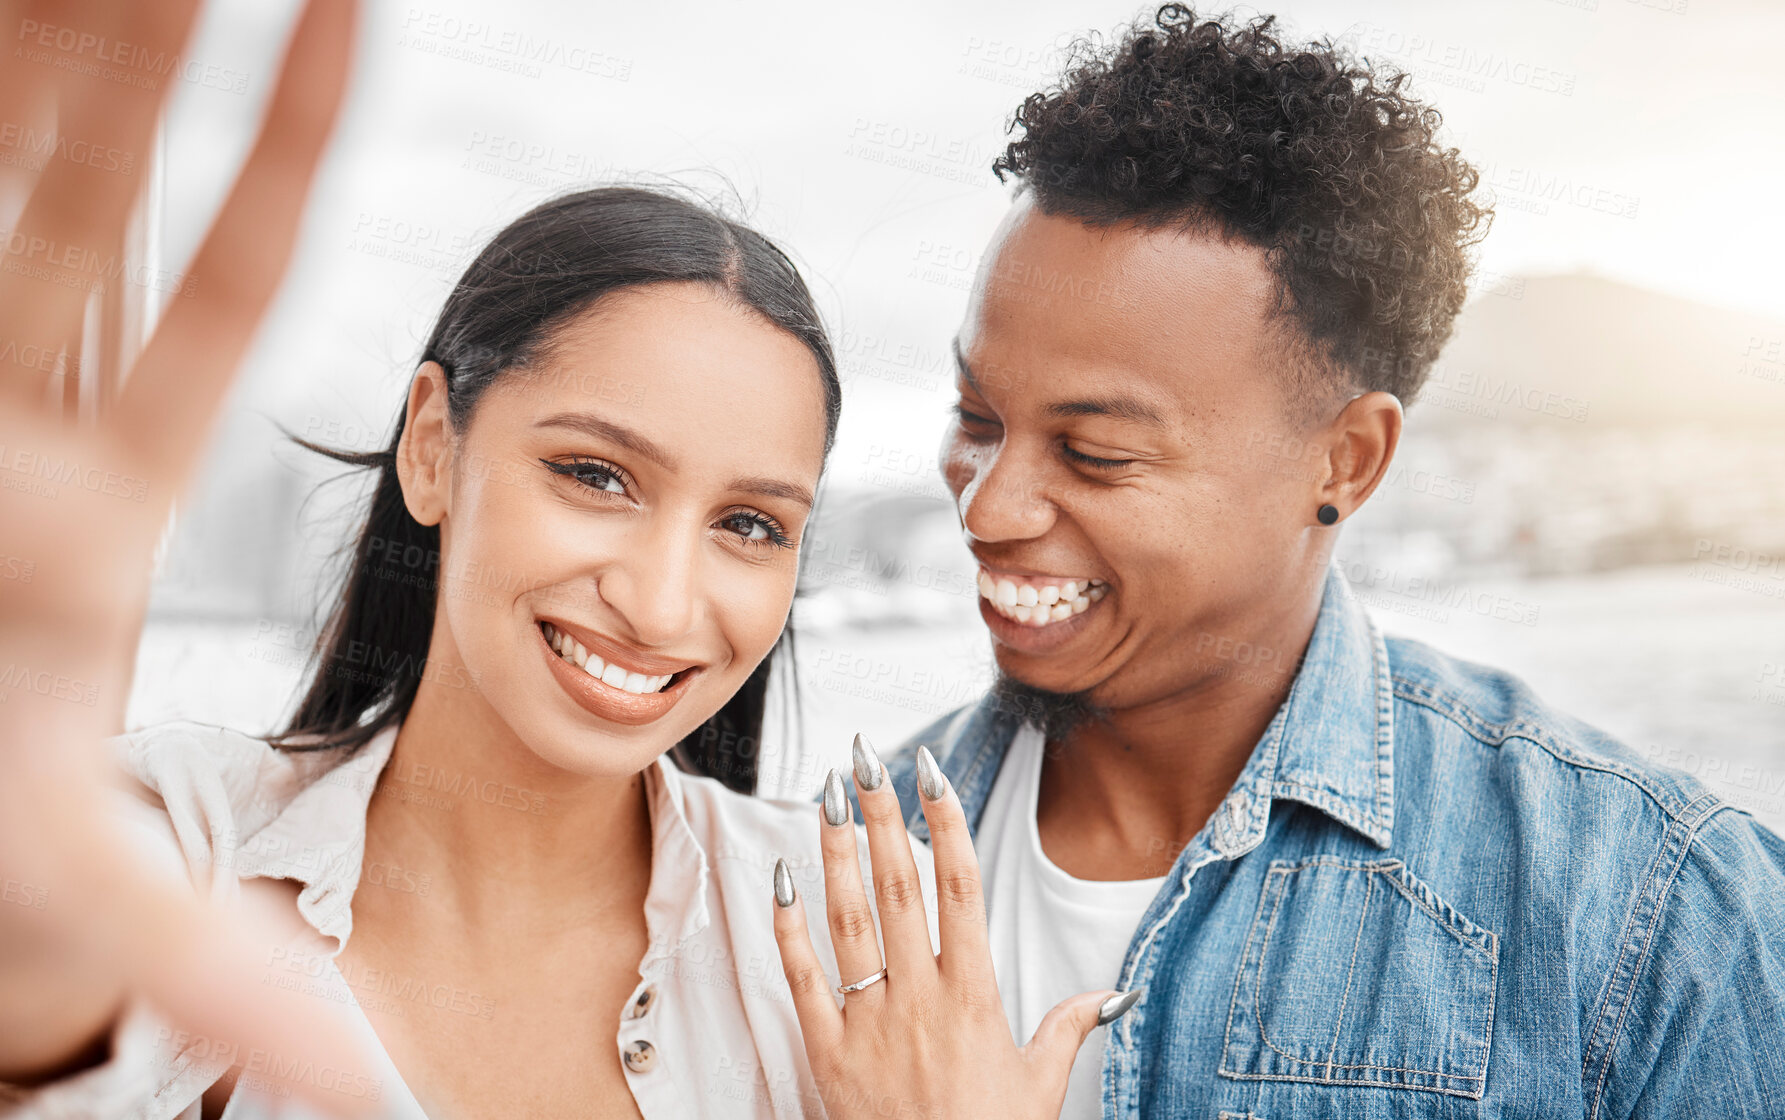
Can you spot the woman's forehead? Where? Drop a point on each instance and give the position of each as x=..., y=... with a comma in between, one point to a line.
x=699, y=377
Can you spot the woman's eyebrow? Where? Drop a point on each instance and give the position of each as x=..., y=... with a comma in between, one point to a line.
x=774, y=488
x=592, y=425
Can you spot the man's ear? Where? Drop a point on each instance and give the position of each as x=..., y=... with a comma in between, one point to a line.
x=1361, y=443
x=424, y=453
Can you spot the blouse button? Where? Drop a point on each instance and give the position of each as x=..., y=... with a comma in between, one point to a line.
x=640, y=1056
x=642, y=1002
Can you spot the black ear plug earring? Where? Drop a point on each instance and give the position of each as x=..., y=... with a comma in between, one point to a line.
x=1328, y=514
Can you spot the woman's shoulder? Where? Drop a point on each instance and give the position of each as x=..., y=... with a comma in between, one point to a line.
x=755, y=831
x=204, y=789
x=733, y=820
x=184, y=763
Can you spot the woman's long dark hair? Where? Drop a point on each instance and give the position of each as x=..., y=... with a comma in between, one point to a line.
x=539, y=273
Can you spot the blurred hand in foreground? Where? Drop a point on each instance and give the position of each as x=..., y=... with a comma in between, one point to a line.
x=76, y=549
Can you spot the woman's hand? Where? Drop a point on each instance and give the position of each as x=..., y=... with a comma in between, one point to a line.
x=85, y=924
x=931, y=1038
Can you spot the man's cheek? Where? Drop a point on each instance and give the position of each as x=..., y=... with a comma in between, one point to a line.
x=956, y=460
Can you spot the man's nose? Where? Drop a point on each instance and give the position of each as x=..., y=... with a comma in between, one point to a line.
x=1004, y=497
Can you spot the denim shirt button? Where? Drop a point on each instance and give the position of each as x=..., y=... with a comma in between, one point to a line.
x=1230, y=823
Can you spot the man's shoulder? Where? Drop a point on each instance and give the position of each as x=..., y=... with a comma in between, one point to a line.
x=1483, y=708
x=936, y=735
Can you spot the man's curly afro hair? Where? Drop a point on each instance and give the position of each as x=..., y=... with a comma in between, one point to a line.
x=1301, y=151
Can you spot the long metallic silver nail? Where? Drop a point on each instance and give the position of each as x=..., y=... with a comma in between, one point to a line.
x=930, y=781
x=784, y=892
x=1117, y=1005
x=836, y=802
x=867, y=763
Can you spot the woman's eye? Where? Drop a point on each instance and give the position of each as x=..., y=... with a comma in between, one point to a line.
x=597, y=476
x=755, y=528
x=600, y=478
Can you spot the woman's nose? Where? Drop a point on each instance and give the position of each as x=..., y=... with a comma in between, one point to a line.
x=654, y=589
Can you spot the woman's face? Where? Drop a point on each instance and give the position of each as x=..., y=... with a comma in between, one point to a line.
x=641, y=491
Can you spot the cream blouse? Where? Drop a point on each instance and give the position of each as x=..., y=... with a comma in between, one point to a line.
x=710, y=1030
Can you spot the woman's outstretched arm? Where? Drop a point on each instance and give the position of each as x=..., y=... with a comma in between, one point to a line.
x=101, y=928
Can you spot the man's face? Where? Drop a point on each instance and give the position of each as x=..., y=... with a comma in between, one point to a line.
x=1123, y=457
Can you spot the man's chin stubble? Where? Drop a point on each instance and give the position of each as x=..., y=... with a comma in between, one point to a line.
x=1056, y=714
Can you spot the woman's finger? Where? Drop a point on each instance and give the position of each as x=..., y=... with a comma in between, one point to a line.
x=966, y=957
x=71, y=235
x=846, y=899
x=898, y=892
x=1063, y=1030
x=176, y=388
x=821, y=1022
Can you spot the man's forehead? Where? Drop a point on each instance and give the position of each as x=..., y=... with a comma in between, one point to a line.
x=1145, y=325
x=1058, y=254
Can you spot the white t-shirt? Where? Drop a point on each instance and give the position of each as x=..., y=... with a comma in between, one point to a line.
x=1052, y=935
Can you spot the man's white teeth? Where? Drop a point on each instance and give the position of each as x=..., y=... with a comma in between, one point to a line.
x=572, y=651
x=1040, y=604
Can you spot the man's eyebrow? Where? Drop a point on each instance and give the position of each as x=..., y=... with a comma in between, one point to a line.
x=1120, y=408
x=774, y=488
x=592, y=425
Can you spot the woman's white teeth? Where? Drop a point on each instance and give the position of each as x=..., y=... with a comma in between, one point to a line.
x=1040, y=604
x=572, y=651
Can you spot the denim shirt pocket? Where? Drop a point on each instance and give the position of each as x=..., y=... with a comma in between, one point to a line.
x=1357, y=973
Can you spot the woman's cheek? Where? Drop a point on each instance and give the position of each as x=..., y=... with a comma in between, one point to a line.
x=754, y=612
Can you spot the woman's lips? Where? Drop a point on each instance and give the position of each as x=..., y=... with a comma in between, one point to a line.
x=604, y=700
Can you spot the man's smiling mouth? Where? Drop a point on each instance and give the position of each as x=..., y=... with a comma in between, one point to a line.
x=1039, y=600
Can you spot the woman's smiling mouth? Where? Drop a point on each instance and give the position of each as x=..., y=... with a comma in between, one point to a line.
x=612, y=684
x=607, y=673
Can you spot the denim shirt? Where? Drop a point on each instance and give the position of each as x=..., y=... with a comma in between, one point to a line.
x=1429, y=894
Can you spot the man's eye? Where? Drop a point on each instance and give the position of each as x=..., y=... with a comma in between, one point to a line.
x=967, y=416
x=1093, y=461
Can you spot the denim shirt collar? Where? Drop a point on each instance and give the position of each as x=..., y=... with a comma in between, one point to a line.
x=1330, y=744
x=1336, y=727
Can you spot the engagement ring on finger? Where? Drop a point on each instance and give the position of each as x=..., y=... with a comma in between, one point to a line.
x=860, y=984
